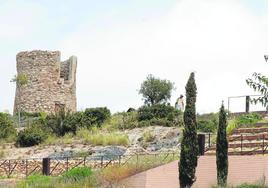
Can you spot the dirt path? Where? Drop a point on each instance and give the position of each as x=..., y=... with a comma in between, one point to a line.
x=250, y=169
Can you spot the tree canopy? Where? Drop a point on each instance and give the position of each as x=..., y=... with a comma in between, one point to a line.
x=155, y=90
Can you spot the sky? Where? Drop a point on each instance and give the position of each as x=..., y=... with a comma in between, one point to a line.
x=118, y=43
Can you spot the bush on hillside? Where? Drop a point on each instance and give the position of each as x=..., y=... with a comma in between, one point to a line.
x=64, y=122
x=96, y=116
x=157, y=111
x=32, y=135
x=123, y=120
x=7, y=129
x=206, y=126
x=207, y=122
x=250, y=118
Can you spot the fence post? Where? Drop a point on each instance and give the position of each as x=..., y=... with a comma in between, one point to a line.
x=9, y=168
x=137, y=157
x=67, y=165
x=84, y=161
x=241, y=144
x=119, y=159
x=263, y=145
x=209, y=140
x=26, y=167
x=46, y=166
x=201, y=144
x=101, y=161
x=247, y=103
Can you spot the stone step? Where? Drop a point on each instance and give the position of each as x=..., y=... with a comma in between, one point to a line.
x=248, y=137
x=246, y=152
x=244, y=145
x=251, y=130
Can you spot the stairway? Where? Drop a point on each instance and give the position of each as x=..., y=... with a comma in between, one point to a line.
x=246, y=141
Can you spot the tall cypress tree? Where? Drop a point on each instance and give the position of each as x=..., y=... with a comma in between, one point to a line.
x=189, y=146
x=222, y=149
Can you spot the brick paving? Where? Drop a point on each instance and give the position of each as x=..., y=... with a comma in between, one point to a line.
x=250, y=169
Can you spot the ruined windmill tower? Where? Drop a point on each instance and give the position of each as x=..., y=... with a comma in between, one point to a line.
x=51, y=84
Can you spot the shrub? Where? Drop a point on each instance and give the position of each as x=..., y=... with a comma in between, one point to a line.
x=207, y=122
x=206, y=126
x=158, y=111
x=122, y=120
x=62, y=123
x=249, y=118
x=32, y=135
x=7, y=129
x=161, y=122
x=96, y=116
x=243, y=120
x=232, y=124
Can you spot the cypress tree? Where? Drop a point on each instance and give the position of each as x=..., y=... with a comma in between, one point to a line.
x=189, y=145
x=222, y=149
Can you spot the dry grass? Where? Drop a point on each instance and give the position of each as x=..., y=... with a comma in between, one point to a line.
x=93, y=137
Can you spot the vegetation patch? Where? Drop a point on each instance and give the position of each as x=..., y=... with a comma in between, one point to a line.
x=246, y=120
x=32, y=135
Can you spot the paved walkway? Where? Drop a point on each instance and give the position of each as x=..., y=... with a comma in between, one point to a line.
x=250, y=169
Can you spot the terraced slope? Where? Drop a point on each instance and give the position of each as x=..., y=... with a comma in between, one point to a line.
x=246, y=141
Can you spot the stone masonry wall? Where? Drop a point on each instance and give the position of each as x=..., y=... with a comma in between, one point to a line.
x=51, y=83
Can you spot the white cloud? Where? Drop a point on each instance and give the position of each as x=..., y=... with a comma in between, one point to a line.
x=223, y=41
x=18, y=19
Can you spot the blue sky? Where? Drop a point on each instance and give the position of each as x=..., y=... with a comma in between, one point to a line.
x=118, y=43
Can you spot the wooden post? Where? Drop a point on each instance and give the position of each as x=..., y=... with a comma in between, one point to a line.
x=201, y=144
x=26, y=167
x=247, y=104
x=67, y=165
x=9, y=168
x=46, y=166
x=241, y=144
x=263, y=145
x=209, y=140
x=84, y=161
x=101, y=161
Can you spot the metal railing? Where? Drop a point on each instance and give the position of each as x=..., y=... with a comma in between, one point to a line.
x=247, y=104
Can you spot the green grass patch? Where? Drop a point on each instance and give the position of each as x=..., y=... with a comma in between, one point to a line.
x=39, y=181
x=76, y=174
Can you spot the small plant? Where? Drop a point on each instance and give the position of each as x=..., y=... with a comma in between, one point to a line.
x=148, y=136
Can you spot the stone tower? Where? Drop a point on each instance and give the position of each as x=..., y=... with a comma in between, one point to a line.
x=51, y=84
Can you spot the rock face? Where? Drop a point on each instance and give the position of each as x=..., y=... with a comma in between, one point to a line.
x=51, y=84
